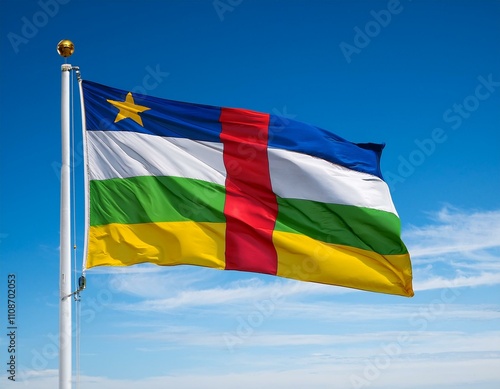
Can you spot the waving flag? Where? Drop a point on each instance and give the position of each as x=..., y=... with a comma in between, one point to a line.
x=176, y=183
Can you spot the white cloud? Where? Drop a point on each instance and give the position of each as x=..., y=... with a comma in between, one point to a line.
x=439, y=282
x=359, y=345
x=456, y=249
x=387, y=373
x=454, y=231
x=248, y=290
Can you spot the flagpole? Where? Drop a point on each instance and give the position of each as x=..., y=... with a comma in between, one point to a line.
x=65, y=49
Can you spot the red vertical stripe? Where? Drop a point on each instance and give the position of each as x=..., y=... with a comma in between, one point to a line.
x=251, y=207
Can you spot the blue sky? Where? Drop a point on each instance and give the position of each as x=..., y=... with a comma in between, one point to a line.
x=421, y=76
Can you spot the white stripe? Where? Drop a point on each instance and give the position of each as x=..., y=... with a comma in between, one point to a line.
x=117, y=154
x=300, y=176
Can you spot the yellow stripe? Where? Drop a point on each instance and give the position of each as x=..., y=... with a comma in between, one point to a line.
x=303, y=258
x=166, y=244
x=203, y=244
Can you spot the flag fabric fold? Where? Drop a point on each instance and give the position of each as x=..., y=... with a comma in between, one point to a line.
x=176, y=183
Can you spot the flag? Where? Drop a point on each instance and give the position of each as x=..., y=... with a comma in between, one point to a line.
x=175, y=183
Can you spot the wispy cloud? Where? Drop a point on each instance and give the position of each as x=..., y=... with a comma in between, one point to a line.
x=458, y=373
x=439, y=282
x=154, y=281
x=343, y=316
x=359, y=344
x=454, y=231
x=455, y=249
x=245, y=290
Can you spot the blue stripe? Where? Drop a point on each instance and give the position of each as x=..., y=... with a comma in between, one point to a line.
x=201, y=122
x=165, y=118
x=304, y=138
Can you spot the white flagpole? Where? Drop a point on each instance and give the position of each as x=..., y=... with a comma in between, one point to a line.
x=65, y=245
x=65, y=49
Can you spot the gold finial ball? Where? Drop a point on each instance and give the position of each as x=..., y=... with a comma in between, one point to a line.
x=65, y=48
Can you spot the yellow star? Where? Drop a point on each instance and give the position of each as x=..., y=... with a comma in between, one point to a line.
x=128, y=109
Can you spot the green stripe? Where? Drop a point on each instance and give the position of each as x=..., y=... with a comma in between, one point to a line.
x=364, y=228
x=163, y=199
x=155, y=199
